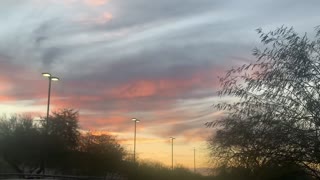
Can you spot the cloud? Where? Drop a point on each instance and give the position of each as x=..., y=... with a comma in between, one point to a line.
x=117, y=59
x=124, y=90
x=96, y=2
x=102, y=18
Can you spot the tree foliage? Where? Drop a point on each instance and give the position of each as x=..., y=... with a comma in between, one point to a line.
x=58, y=146
x=63, y=128
x=100, y=154
x=20, y=143
x=276, y=120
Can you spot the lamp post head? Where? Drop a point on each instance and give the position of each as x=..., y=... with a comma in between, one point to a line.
x=172, y=138
x=135, y=120
x=51, y=78
x=54, y=78
x=46, y=74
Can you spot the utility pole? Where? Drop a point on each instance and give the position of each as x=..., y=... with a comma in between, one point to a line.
x=172, y=138
x=194, y=159
x=135, y=132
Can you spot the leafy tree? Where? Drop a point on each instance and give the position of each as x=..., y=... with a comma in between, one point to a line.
x=60, y=138
x=276, y=119
x=99, y=154
x=63, y=128
x=20, y=143
x=57, y=145
x=29, y=148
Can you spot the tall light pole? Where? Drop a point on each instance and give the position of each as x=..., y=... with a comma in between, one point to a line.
x=51, y=78
x=172, y=138
x=135, y=132
x=194, y=159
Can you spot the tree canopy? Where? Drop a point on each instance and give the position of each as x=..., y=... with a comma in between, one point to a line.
x=276, y=119
x=29, y=147
x=20, y=143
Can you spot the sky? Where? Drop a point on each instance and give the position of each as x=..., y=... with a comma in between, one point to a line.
x=157, y=61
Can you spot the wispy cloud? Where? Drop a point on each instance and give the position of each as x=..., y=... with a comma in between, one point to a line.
x=118, y=59
x=96, y=2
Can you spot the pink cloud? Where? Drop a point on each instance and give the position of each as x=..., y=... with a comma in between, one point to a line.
x=101, y=18
x=96, y=2
x=110, y=106
x=132, y=95
x=165, y=87
x=24, y=85
x=5, y=84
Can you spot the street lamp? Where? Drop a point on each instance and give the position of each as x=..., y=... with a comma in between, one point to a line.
x=172, y=138
x=194, y=159
x=51, y=78
x=135, y=132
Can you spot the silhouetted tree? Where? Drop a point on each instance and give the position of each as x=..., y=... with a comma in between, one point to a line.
x=57, y=146
x=20, y=143
x=63, y=127
x=100, y=154
x=29, y=148
x=61, y=137
x=276, y=117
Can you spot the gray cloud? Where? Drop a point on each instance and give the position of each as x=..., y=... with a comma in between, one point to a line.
x=184, y=43
x=139, y=12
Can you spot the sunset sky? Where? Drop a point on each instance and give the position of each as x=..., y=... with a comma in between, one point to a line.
x=157, y=61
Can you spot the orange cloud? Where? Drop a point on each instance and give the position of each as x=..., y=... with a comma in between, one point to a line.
x=110, y=106
x=101, y=121
x=143, y=140
x=25, y=85
x=6, y=98
x=96, y=2
x=5, y=84
x=133, y=95
x=164, y=87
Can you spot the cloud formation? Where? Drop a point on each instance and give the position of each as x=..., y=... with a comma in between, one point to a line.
x=117, y=59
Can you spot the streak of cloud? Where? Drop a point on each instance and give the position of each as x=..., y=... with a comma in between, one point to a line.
x=117, y=59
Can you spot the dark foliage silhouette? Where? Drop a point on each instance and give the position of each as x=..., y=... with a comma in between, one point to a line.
x=29, y=147
x=274, y=124
x=20, y=143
